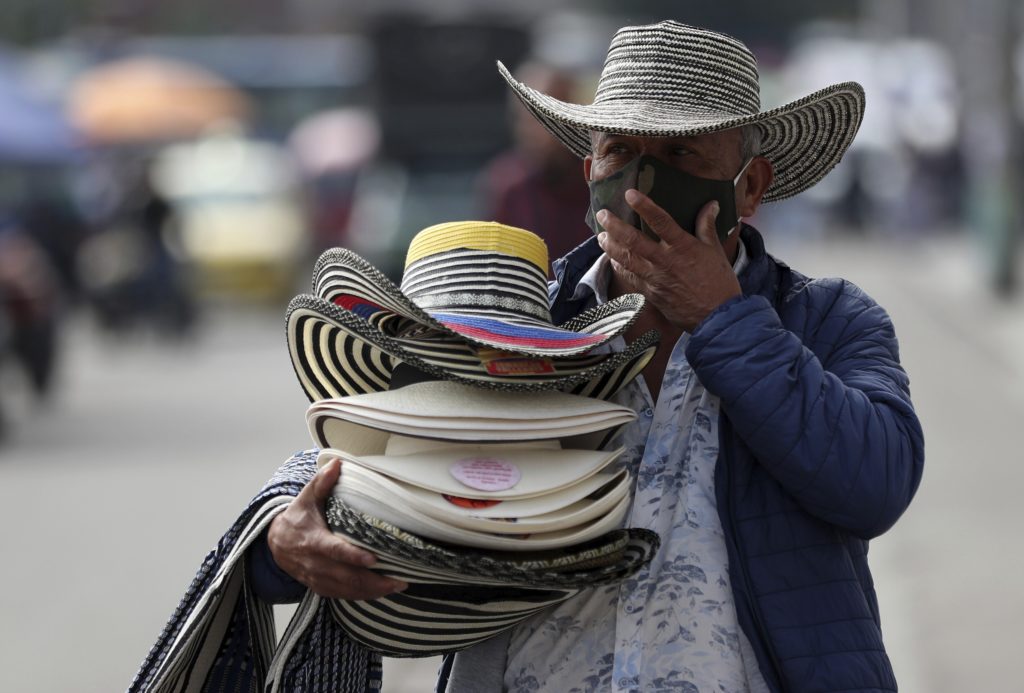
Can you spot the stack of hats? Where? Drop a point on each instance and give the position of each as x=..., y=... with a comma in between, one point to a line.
x=475, y=435
x=477, y=468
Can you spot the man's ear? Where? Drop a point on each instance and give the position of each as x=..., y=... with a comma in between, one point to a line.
x=587, y=163
x=758, y=176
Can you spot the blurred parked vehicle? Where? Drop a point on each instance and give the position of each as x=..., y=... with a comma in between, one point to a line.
x=242, y=227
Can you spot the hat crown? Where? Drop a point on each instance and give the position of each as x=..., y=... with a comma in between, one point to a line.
x=680, y=66
x=470, y=266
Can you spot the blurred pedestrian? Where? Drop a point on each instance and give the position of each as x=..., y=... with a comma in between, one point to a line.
x=30, y=309
x=536, y=184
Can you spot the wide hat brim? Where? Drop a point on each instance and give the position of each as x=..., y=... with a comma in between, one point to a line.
x=576, y=505
x=336, y=353
x=441, y=414
x=803, y=139
x=349, y=281
x=428, y=619
x=459, y=597
x=438, y=530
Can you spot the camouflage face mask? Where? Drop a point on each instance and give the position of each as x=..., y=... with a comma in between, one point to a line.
x=680, y=194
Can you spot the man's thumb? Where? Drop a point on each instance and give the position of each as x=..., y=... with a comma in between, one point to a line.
x=325, y=479
x=706, y=229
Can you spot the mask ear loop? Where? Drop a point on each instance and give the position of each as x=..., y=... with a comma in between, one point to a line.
x=734, y=181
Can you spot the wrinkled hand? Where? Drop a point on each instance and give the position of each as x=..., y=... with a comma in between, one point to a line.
x=304, y=547
x=685, y=277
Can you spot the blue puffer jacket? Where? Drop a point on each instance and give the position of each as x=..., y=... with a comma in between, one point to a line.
x=820, y=451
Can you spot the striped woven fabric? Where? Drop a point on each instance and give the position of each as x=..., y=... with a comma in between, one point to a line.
x=482, y=282
x=222, y=638
x=673, y=80
x=336, y=353
x=600, y=561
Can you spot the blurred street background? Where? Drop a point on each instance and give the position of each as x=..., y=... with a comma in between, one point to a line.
x=170, y=171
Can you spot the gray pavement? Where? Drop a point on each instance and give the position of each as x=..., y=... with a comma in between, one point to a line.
x=102, y=530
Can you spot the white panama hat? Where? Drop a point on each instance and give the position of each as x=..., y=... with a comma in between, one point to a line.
x=442, y=410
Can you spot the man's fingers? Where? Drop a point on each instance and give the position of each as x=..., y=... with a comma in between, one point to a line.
x=332, y=567
x=624, y=243
x=356, y=584
x=626, y=233
x=363, y=584
x=343, y=578
x=656, y=217
x=340, y=550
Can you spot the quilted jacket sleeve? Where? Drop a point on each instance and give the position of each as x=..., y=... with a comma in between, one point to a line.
x=817, y=392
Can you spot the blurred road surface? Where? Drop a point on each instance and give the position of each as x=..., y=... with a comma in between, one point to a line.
x=102, y=526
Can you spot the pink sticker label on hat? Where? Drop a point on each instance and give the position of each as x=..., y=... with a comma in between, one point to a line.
x=486, y=473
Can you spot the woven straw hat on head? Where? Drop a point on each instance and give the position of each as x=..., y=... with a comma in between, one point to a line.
x=673, y=80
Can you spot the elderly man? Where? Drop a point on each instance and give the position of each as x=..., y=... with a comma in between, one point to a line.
x=775, y=435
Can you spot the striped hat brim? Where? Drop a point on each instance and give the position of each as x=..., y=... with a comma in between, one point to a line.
x=458, y=597
x=426, y=620
x=350, y=282
x=804, y=139
x=600, y=561
x=337, y=353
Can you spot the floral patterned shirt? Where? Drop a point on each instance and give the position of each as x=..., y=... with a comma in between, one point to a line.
x=672, y=626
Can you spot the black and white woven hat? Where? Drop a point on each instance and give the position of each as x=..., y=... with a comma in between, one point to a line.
x=673, y=80
x=337, y=353
x=460, y=596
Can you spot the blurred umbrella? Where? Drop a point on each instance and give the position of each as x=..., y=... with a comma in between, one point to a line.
x=31, y=130
x=337, y=140
x=151, y=99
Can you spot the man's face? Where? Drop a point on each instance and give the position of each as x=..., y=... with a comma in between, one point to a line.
x=714, y=156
